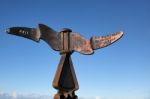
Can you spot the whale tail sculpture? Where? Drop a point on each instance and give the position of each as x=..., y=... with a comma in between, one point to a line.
x=56, y=39
x=66, y=42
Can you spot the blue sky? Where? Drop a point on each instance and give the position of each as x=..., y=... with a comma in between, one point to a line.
x=119, y=71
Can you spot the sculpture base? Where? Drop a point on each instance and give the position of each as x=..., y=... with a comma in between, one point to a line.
x=65, y=80
x=63, y=95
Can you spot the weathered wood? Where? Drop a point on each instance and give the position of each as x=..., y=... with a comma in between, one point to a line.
x=80, y=44
x=66, y=42
x=100, y=42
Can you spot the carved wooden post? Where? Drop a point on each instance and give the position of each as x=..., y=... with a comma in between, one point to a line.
x=65, y=80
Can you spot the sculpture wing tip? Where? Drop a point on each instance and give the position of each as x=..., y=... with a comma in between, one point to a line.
x=103, y=41
x=30, y=33
x=7, y=30
x=121, y=33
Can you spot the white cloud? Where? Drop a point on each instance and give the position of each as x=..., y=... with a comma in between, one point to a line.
x=14, y=95
x=92, y=97
x=1, y=93
x=98, y=97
